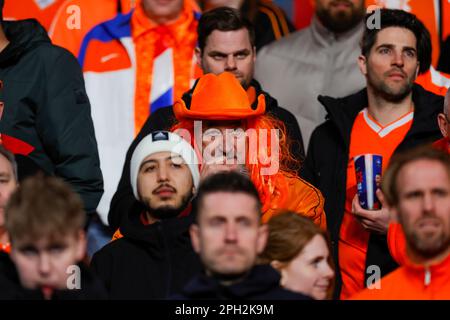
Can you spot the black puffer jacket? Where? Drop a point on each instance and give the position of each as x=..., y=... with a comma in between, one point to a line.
x=164, y=119
x=149, y=262
x=326, y=162
x=46, y=115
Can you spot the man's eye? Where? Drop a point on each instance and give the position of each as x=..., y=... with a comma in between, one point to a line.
x=241, y=55
x=29, y=252
x=149, y=169
x=218, y=57
x=175, y=165
x=410, y=53
x=384, y=50
x=56, y=250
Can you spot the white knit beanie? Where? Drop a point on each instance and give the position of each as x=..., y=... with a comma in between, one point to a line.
x=159, y=141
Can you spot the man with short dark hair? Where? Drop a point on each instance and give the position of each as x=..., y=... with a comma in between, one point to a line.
x=227, y=45
x=390, y=115
x=228, y=236
x=417, y=190
x=320, y=59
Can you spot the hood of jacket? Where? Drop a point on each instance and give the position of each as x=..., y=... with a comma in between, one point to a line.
x=23, y=36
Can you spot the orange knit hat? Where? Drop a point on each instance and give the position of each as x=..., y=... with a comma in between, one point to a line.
x=219, y=97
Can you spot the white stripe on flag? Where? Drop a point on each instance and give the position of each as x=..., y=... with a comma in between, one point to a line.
x=162, y=76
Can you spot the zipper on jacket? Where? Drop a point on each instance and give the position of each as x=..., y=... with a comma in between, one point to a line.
x=427, y=277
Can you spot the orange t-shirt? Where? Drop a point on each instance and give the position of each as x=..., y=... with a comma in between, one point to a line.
x=367, y=137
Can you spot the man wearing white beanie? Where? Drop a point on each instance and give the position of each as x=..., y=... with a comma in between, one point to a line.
x=153, y=258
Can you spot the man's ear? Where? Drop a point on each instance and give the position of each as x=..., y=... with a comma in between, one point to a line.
x=394, y=214
x=263, y=234
x=442, y=123
x=254, y=54
x=362, y=64
x=198, y=56
x=277, y=265
x=195, y=237
x=81, y=245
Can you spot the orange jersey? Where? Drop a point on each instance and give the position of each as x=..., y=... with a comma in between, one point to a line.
x=68, y=30
x=434, y=81
x=42, y=10
x=367, y=137
x=412, y=282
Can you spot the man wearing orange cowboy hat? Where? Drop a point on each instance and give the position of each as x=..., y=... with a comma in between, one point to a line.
x=229, y=133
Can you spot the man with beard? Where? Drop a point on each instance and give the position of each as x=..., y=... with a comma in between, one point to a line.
x=154, y=258
x=417, y=189
x=391, y=114
x=321, y=59
x=226, y=42
x=228, y=236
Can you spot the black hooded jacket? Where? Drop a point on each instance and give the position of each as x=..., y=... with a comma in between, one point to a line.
x=326, y=162
x=150, y=261
x=45, y=116
x=164, y=119
x=11, y=289
x=262, y=283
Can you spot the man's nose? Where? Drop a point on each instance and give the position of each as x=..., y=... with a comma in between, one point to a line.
x=428, y=203
x=230, y=233
x=398, y=59
x=230, y=63
x=44, y=264
x=163, y=174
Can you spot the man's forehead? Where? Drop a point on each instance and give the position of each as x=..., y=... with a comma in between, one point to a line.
x=396, y=36
x=5, y=165
x=228, y=41
x=247, y=204
x=415, y=174
x=162, y=156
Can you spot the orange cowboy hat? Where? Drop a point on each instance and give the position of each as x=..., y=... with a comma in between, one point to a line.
x=218, y=97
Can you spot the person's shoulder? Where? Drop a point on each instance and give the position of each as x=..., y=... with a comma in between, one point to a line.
x=286, y=47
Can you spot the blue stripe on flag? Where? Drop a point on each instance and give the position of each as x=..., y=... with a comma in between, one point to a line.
x=165, y=100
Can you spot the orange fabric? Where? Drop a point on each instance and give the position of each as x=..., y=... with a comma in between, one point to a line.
x=426, y=81
x=181, y=36
x=396, y=237
x=445, y=19
x=302, y=198
x=409, y=282
x=106, y=56
x=229, y=101
x=353, y=238
x=5, y=247
x=92, y=13
x=424, y=11
x=43, y=11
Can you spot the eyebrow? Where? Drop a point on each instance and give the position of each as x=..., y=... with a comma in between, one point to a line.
x=391, y=46
x=156, y=161
x=5, y=174
x=219, y=53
